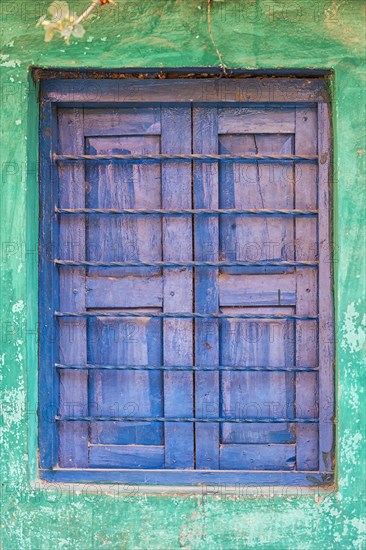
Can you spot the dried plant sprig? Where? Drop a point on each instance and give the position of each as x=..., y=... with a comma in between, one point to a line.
x=64, y=23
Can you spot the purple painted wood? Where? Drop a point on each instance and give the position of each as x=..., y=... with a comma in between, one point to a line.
x=325, y=279
x=128, y=340
x=208, y=481
x=257, y=290
x=126, y=456
x=48, y=380
x=178, y=289
x=254, y=342
x=122, y=121
x=123, y=292
x=73, y=338
x=206, y=248
x=213, y=90
x=126, y=393
x=111, y=185
x=256, y=186
x=257, y=394
x=195, y=451
x=258, y=120
x=257, y=457
x=306, y=142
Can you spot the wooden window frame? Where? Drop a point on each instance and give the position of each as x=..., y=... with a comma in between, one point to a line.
x=251, y=90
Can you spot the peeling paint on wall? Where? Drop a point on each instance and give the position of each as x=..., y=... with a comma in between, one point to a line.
x=354, y=326
x=174, y=33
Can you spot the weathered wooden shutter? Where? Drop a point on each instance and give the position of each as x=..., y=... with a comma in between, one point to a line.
x=186, y=285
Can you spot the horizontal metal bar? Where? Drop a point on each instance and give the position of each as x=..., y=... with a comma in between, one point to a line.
x=187, y=264
x=90, y=366
x=178, y=315
x=186, y=157
x=188, y=212
x=163, y=419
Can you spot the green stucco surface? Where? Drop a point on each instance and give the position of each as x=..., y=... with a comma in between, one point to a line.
x=174, y=33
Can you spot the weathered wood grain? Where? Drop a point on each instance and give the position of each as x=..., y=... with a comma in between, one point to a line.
x=306, y=142
x=256, y=120
x=257, y=457
x=326, y=312
x=206, y=247
x=178, y=290
x=48, y=382
x=123, y=292
x=253, y=90
x=167, y=123
x=131, y=456
x=122, y=121
x=73, y=337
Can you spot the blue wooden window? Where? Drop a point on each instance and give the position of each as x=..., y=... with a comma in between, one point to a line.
x=185, y=281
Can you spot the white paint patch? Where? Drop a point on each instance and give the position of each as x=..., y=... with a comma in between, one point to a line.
x=14, y=405
x=104, y=39
x=359, y=524
x=349, y=447
x=6, y=62
x=354, y=400
x=18, y=306
x=354, y=330
x=18, y=122
x=2, y=363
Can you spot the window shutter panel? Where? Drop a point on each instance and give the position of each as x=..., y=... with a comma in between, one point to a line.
x=188, y=283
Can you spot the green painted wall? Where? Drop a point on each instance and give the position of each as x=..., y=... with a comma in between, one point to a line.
x=174, y=33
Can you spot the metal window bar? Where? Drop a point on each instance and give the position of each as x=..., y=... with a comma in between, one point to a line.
x=188, y=212
x=179, y=315
x=167, y=419
x=262, y=263
x=183, y=212
x=90, y=366
x=185, y=157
